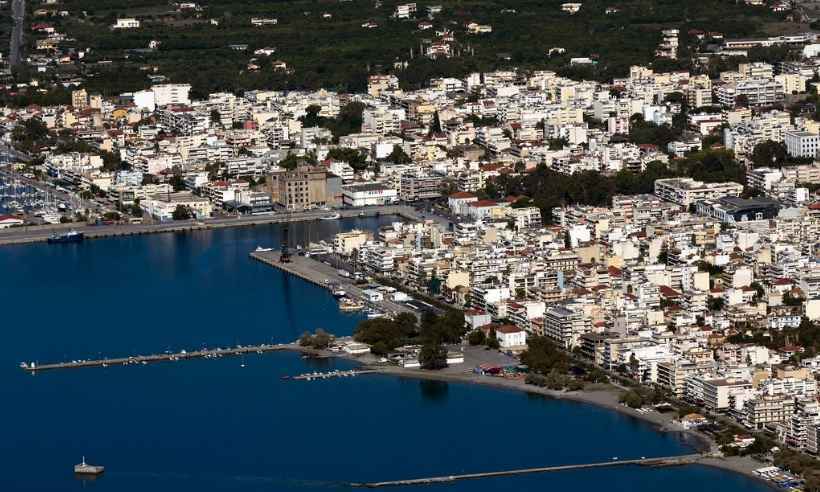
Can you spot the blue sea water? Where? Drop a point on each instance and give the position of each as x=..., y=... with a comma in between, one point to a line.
x=211, y=425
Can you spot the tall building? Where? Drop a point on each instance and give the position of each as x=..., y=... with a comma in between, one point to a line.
x=304, y=188
x=79, y=99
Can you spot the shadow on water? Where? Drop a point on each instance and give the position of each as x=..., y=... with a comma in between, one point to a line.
x=434, y=390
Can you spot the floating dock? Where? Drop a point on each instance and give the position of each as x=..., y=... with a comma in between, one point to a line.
x=153, y=358
x=665, y=461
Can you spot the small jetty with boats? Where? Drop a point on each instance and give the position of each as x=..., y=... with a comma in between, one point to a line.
x=310, y=376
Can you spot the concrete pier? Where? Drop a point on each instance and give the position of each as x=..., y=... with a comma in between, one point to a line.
x=153, y=358
x=318, y=273
x=665, y=461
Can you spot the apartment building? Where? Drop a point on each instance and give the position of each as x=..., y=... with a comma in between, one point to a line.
x=756, y=92
x=686, y=191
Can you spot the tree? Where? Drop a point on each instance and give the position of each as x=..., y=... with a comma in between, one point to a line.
x=181, y=213
x=177, y=182
x=290, y=162
x=716, y=303
x=435, y=126
x=433, y=355
x=321, y=339
x=543, y=356
x=357, y=159
x=398, y=156
x=790, y=300
x=476, y=337
x=632, y=399
x=492, y=340
x=216, y=118
x=769, y=154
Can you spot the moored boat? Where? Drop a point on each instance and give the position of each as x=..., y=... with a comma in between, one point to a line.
x=347, y=304
x=68, y=237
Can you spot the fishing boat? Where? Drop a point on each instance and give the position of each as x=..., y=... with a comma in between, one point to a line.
x=349, y=305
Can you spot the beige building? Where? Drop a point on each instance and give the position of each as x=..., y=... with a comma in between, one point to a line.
x=305, y=188
x=346, y=242
x=79, y=99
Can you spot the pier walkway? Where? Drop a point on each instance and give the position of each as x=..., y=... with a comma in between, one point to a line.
x=152, y=358
x=665, y=461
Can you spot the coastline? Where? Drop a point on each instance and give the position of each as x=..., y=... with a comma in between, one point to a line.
x=604, y=397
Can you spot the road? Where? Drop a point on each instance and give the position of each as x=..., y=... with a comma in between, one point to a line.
x=31, y=234
x=18, y=13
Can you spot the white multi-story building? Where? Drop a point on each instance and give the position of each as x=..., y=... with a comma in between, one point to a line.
x=757, y=92
x=365, y=194
x=165, y=94
x=686, y=191
x=802, y=144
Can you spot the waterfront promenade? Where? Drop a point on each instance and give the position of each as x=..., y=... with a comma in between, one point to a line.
x=34, y=234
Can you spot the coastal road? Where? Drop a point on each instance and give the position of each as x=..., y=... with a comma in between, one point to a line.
x=32, y=234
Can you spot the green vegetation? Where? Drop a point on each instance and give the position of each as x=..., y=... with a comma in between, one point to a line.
x=549, y=189
x=338, y=53
x=348, y=121
x=181, y=213
x=433, y=333
x=319, y=340
x=544, y=357
x=384, y=335
x=476, y=337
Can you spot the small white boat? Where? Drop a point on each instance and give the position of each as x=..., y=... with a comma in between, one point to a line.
x=260, y=249
x=332, y=217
